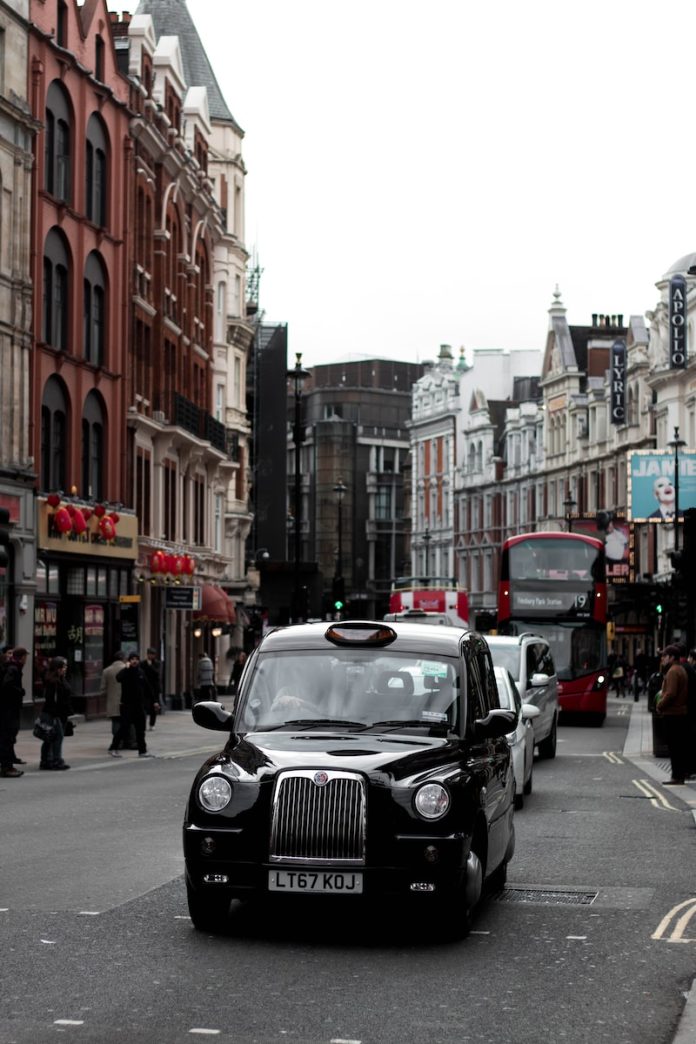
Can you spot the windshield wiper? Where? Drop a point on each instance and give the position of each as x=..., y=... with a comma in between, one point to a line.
x=394, y=723
x=315, y=721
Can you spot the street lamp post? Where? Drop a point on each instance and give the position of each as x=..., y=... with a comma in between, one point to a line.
x=339, y=585
x=569, y=504
x=426, y=544
x=676, y=444
x=298, y=375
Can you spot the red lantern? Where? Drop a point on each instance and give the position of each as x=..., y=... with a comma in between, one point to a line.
x=53, y=500
x=114, y=516
x=156, y=562
x=62, y=520
x=86, y=514
x=178, y=564
x=78, y=521
x=100, y=511
x=107, y=528
x=169, y=563
x=189, y=565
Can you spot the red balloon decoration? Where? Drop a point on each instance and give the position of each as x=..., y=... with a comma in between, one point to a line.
x=107, y=528
x=53, y=500
x=62, y=520
x=78, y=521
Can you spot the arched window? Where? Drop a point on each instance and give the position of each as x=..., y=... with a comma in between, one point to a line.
x=93, y=444
x=96, y=172
x=54, y=434
x=55, y=291
x=58, y=141
x=94, y=311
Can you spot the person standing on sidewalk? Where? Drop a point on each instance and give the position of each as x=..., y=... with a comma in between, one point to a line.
x=671, y=706
x=111, y=689
x=11, y=699
x=205, y=678
x=153, y=675
x=57, y=706
x=135, y=699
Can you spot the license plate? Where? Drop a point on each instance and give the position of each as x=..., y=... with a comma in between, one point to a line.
x=315, y=881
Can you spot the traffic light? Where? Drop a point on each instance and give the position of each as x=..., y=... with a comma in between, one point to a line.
x=338, y=593
x=658, y=608
x=4, y=538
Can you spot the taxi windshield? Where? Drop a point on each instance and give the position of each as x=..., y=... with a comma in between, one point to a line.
x=356, y=688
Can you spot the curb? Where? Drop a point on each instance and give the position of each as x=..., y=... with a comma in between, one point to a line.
x=686, y=1030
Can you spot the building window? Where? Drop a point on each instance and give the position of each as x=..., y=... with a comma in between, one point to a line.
x=55, y=291
x=218, y=521
x=96, y=172
x=58, y=173
x=62, y=24
x=143, y=491
x=93, y=447
x=54, y=436
x=94, y=311
x=99, y=59
x=383, y=503
x=169, y=505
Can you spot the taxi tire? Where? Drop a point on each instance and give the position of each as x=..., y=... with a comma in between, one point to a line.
x=209, y=911
x=528, y=784
x=547, y=747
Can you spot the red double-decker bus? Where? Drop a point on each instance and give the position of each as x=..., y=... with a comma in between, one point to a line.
x=554, y=584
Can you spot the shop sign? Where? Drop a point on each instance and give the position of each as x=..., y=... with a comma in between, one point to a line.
x=183, y=598
x=92, y=540
x=618, y=382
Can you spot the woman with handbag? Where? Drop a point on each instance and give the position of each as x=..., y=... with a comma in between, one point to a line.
x=58, y=707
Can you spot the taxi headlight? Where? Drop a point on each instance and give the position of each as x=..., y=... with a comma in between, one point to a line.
x=214, y=793
x=431, y=801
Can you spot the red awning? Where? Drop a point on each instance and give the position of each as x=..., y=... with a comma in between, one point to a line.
x=215, y=605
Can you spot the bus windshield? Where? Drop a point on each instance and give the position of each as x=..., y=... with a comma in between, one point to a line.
x=577, y=649
x=554, y=559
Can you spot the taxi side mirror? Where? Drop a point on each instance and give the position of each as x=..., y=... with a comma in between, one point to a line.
x=211, y=715
x=496, y=723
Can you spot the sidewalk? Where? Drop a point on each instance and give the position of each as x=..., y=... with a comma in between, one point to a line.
x=175, y=735
x=638, y=748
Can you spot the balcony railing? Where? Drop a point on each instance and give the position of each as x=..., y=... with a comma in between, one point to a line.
x=183, y=413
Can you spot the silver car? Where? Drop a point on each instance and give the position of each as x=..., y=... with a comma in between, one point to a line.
x=529, y=660
x=521, y=740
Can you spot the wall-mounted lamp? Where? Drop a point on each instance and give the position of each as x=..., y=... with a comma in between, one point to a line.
x=197, y=632
x=216, y=632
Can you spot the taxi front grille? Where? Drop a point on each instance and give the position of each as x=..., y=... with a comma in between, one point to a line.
x=319, y=822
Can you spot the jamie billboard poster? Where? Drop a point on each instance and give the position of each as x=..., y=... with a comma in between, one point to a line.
x=652, y=490
x=617, y=545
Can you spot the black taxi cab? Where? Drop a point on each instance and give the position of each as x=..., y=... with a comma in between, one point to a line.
x=363, y=759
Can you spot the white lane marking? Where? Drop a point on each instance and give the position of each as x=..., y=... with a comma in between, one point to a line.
x=88, y=913
x=49, y=942
x=205, y=1032
x=681, y=923
x=4, y=909
x=578, y=937
x=343, y=1040
x=479, y=933
x=181, y=917
x=657, y=798
x=68, y=1022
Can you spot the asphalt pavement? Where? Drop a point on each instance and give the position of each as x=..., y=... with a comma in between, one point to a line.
x=176, y=735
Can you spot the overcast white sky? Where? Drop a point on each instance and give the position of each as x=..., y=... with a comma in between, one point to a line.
x=422, y=174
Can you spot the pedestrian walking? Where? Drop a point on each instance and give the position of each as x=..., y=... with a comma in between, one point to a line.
x=618, y=676
x=671, y=706
x=153, y=674
x=135, y=701
x=111, y=691
x=236, y=673
x=11, y=699
x=205, y=678
x=58, y=707
x=5, y=657
x=690, y=667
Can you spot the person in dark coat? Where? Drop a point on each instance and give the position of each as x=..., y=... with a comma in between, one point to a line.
x=236, y=673
x=11, y=699
x=152, y=670
x=671, y=706
x=135, y=701
x=57, y=706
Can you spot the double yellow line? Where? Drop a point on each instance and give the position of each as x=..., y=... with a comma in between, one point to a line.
x=679, y=923
x=657, y=798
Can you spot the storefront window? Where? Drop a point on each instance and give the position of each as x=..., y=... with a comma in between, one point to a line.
x=91, y=576
x=75, y=582
x=101, y=583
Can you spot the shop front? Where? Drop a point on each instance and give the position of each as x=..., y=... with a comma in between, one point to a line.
x=82, y=606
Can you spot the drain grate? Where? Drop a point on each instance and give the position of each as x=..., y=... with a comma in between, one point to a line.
x=546, y=896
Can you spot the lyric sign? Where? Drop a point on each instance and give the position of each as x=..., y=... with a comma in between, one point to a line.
x=618, y=382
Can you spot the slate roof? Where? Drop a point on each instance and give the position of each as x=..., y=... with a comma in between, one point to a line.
x=172, y=18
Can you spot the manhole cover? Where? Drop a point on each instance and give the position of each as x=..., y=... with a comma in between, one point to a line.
x=547, y=896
